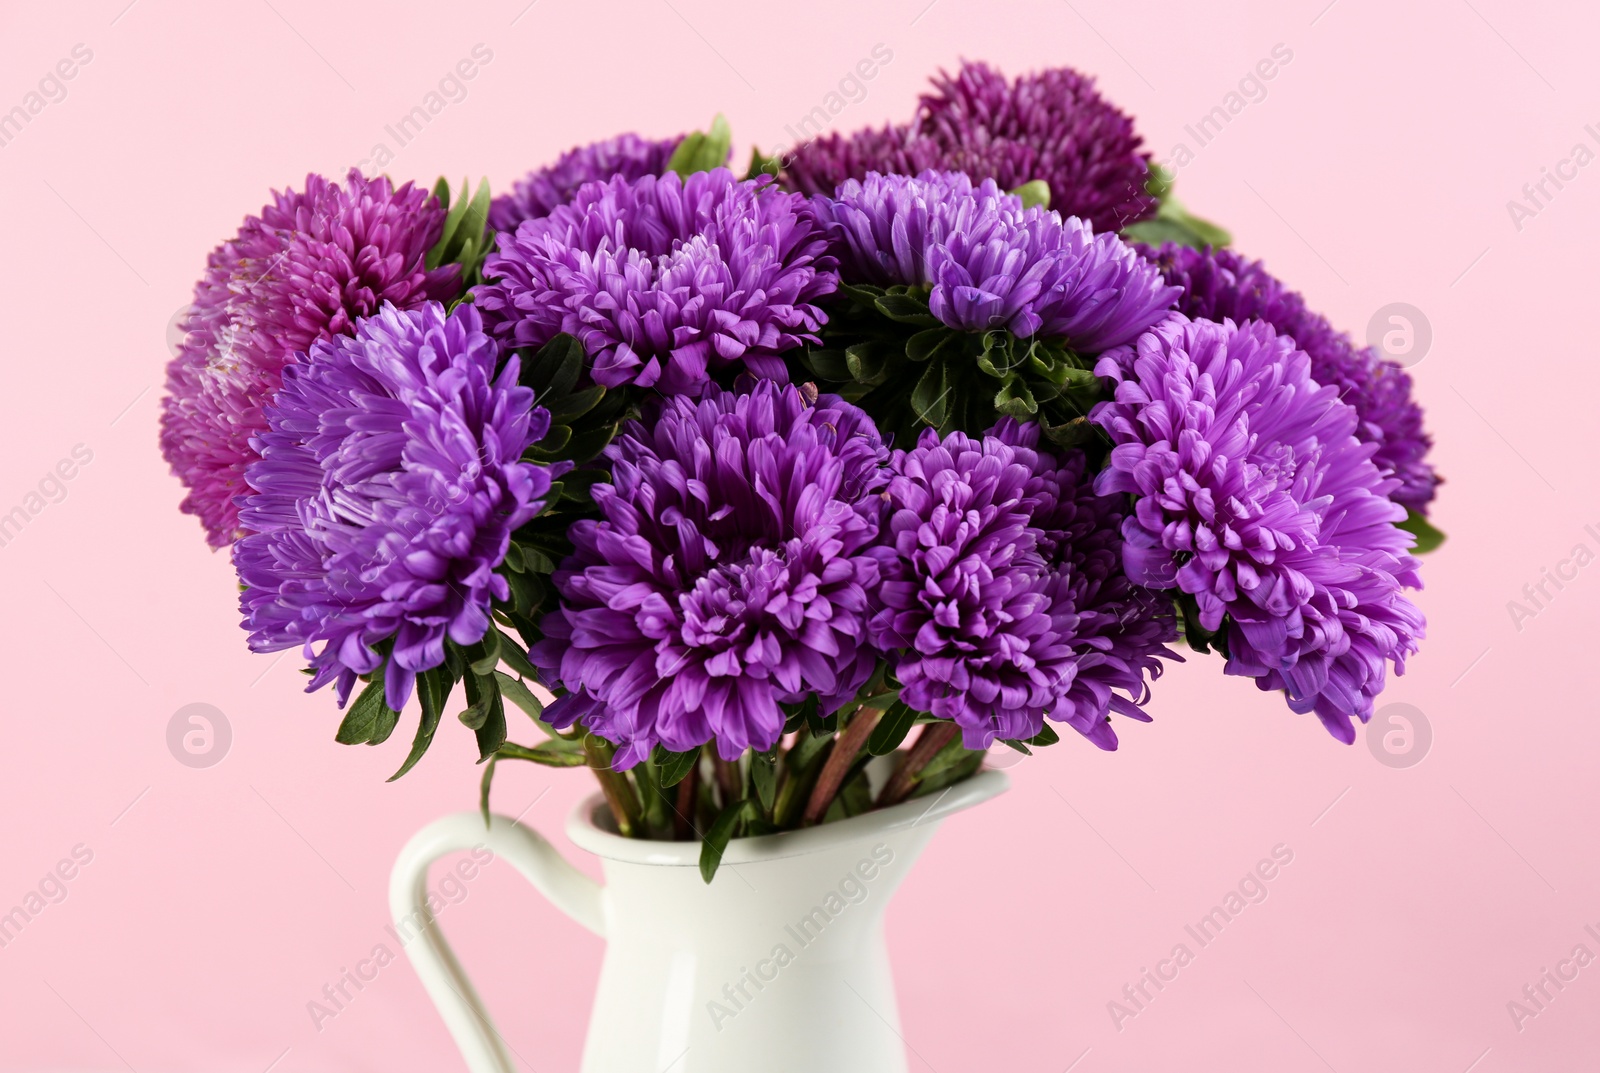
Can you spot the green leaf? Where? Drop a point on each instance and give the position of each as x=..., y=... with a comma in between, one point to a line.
x=761, y=164
x=721, y=832
x=1428, y=538
x=515, y=656
x=476, y=714
x=929, y=398
x=483, y=790
x=892, y=729
x=492, y=734
x=907, y=310
x=702, y=151
x=675, y=767
x=519, y=694
x=867, y=362
x=1047, y=736
x=433, y=691
x=557, y=752
x=369, y=719
x=827, y=363
x=764, y=773
x=490, y=647
x=931, y=343
x=1014, y=399
x=1034, y=193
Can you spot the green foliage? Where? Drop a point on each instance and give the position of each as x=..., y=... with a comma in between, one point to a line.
x=1034, y=193
x=721, y=832
x=466, y=239
x=884, y=350
x=1172, y=222
x=703, y=150
x=1428, y=538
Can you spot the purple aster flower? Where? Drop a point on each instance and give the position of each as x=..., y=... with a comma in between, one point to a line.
x=966, y=596
x=1051, y=126
x=991, y=263
x=389, y=483
x=728, y=573
x=666, y=281
x=304, y=270
x=1118, y=630
x=1221, y=284
x=819, y=166
x=1253, y=496
x=542, y=191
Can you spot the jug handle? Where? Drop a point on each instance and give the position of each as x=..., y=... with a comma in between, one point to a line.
x=568, y=889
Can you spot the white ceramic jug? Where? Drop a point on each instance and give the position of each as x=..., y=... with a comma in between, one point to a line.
x=778, y=966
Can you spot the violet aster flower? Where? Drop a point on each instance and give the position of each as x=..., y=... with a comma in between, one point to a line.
x=966, y=597
x=1051, y=126
x=304, y=270
x=991, y=263
x=1221, y=284
x=665, y=281
x=388, y=486
x=545, y=189
x=728, y=573
x=1118, y=630
x=1253, y=496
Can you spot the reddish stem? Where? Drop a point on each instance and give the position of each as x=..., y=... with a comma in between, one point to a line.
x=840, y=760
x=934, y=737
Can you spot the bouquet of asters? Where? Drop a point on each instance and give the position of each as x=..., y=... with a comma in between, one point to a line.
x=905, y=444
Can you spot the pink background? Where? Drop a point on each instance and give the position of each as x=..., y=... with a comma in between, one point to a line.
x=220, y=901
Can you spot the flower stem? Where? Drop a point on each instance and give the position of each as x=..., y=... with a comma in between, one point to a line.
x=613, y=784
x=840, y=760
x=728, y=778
x=934, y=736
x=683, y=825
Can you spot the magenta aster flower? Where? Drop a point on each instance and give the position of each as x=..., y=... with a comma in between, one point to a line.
x=821, y=165
x=543, y=190
x=389, y=483
x=304, y=270
x=1052, y=126
x=728, y=574
x=991, y=263
x=1253, y=496
x=1221, y=284
x=665, y=281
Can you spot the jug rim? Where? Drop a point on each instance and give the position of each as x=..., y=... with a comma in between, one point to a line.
x=587, y=834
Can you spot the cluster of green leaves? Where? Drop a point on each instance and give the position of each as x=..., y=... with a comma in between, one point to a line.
x=466, y=239
x=884, y=350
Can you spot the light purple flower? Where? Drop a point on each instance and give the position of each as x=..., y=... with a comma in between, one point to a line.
x=728, y=573
x=991, y=263
x=1253, y=496
x=389, y=483
x=667, y=282
x=304, y=270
